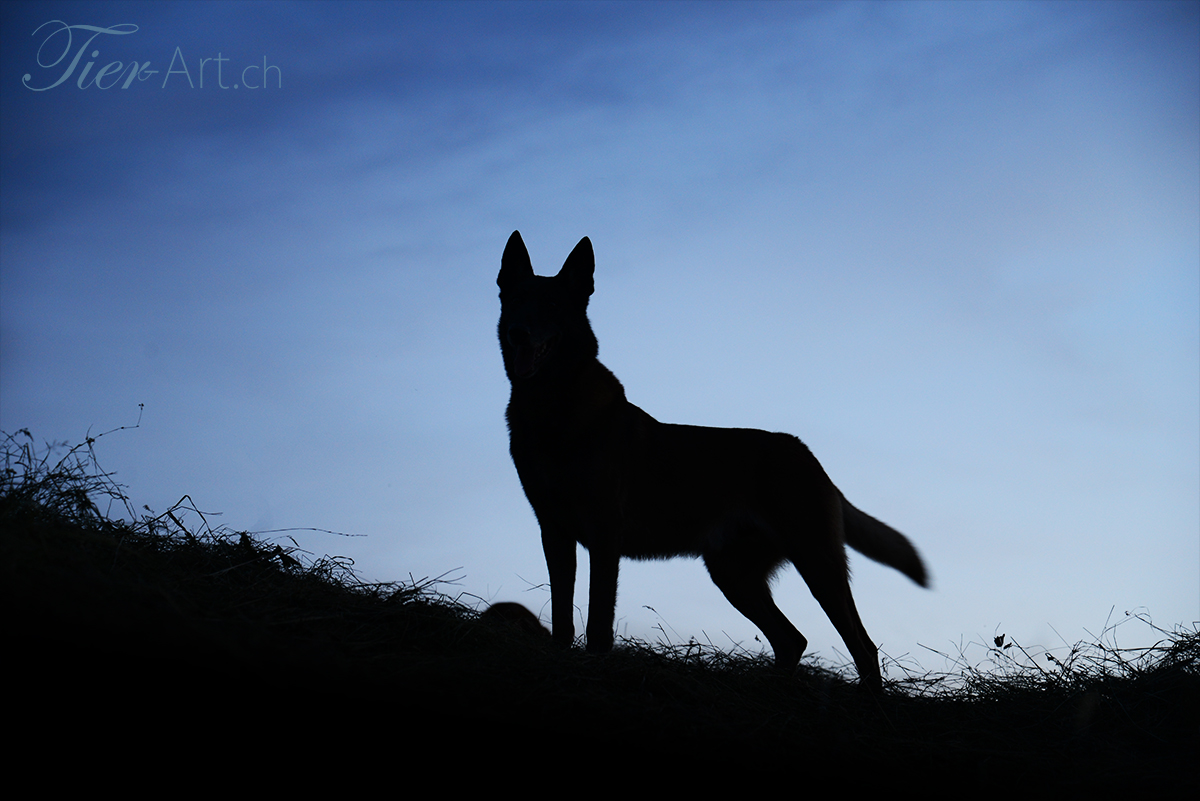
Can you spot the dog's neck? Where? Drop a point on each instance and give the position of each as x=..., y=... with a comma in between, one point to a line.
x=579, y=401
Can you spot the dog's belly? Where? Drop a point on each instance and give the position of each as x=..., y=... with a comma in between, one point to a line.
x=691, y=491
x=692, y=524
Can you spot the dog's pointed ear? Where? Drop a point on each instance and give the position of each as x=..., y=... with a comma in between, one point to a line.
x=579, y=267
x=514, y=264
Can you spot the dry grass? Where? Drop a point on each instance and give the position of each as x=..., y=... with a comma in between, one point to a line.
x=159, y=621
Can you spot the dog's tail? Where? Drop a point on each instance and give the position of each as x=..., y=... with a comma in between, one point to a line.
x=881, y=542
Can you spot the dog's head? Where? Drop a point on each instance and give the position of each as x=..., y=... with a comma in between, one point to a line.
x=544, y=330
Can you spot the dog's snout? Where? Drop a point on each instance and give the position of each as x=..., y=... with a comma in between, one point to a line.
x=519, y=336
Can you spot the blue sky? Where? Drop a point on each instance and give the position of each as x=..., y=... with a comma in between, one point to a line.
x=954, y=247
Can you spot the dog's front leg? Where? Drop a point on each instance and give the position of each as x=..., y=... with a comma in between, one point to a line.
x=602, y=598
x=560, y=564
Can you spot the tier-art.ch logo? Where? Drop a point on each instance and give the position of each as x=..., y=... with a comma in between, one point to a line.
x=61, y=52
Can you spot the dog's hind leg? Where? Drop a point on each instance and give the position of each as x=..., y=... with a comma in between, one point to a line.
x=831, y=587
x=824, y=570
x=743, y=577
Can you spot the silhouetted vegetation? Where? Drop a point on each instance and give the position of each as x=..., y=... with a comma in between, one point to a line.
x=185, y=636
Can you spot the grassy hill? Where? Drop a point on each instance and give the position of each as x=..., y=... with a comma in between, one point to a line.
x=156, y=641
